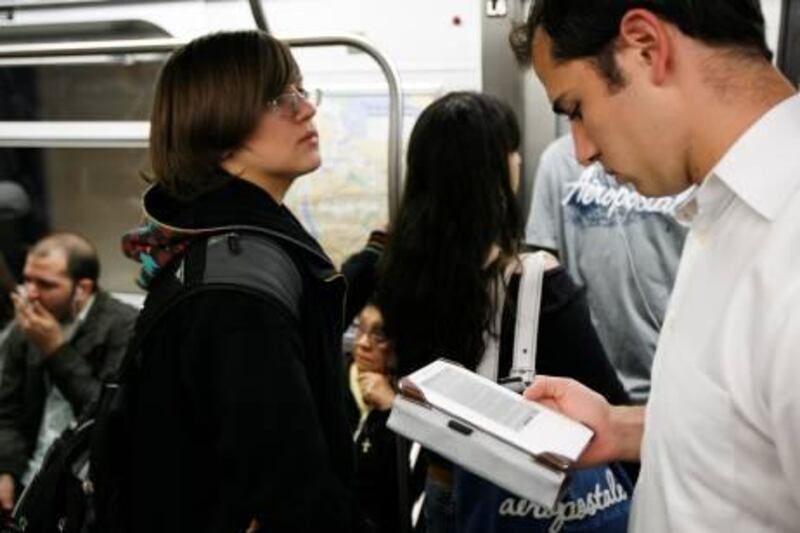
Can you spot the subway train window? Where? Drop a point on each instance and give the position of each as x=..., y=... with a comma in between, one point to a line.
x=96, y=192
x=93, y=191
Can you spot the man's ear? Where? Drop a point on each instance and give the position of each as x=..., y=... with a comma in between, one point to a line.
x=84, y=288
x=649, y=38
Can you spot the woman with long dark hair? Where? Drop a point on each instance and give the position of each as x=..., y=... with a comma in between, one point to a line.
x=443, y=276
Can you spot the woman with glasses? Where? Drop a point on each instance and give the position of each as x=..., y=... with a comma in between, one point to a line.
x=239, y=419
x=449, y=283
x=371, y=390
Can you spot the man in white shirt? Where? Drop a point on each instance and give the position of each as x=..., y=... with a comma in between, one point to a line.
x=666, y=95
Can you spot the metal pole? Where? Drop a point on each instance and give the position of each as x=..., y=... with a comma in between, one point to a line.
x=259, y=16
x=392, y=75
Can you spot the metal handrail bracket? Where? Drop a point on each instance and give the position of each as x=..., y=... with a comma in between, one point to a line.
x=74, y=134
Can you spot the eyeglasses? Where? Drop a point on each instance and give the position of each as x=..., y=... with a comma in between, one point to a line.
x=375, y=337
x=288, y=103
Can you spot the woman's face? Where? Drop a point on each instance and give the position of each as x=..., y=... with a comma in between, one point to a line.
x=285, y=143
x=371, y=351
x=514, y=169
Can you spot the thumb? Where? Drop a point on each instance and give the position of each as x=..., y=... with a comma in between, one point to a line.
x=547, y=391
x=544, y=387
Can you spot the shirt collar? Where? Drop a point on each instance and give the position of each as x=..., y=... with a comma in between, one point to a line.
x=85, y=311
x=704, y=202
x=69, y=329
x=762, y=167
x=687, y=209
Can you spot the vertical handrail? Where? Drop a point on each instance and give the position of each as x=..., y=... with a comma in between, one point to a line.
x=17, y=53
x=258, y=15
x=392, y=75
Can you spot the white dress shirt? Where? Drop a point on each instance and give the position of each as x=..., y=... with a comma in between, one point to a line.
x=721, y=447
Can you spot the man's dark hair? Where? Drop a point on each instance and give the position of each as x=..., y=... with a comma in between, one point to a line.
x=209, y=99
x=589, y=28
x=82, y=260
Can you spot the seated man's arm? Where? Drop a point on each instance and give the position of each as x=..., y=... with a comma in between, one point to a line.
x=78, y=369
x=618, y=429
x=360, y=271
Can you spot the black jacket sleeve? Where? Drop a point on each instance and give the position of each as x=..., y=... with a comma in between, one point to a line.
x=246, y=367
x=360, y=271
x=79, y=367
x=15, y=447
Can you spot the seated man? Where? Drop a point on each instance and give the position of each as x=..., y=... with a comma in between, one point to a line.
x=67, y=338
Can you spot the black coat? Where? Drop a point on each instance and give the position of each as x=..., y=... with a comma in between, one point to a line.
x=240, y=413
x=77, y=368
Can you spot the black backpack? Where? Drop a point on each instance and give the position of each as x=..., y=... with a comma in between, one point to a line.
x=80, y=487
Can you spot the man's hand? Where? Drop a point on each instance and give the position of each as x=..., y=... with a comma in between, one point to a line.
x=376, y=389
x=7, y=492
x=38, y=324
x=617, y=430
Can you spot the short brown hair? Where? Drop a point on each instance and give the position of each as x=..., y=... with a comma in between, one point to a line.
x=208, y=100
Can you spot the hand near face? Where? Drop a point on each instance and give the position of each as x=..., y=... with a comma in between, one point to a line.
x=369, y=361
x=377, y=390
x=38, y=324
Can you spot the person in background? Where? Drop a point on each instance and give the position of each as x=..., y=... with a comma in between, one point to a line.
x=450, y=276
x=68, y=336
x=666, y=95
x=371, y=384
x=623, y=247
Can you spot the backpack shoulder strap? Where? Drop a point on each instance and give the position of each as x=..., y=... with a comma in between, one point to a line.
x=253, y=261
x=248, y=262
x=526, y=325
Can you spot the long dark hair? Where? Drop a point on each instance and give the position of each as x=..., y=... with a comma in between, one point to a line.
x=435, y=289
